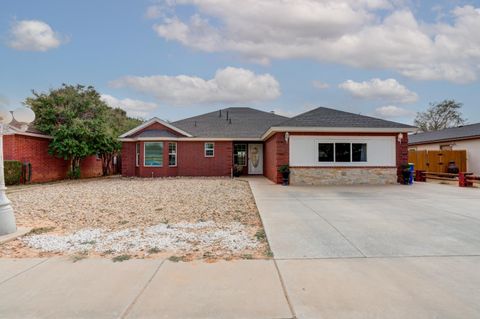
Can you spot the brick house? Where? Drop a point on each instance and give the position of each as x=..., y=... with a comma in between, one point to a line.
x=322, y=146
x=31, y=147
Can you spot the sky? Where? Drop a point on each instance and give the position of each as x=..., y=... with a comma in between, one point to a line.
x=179, y=58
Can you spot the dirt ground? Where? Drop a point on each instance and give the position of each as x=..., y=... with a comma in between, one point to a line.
x=187, y=218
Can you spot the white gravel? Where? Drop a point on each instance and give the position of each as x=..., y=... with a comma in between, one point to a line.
x=180, y=237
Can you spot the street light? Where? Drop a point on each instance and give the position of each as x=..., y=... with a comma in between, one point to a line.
x=24, y=116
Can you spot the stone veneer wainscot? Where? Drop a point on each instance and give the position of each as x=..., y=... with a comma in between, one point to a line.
x=343, y=175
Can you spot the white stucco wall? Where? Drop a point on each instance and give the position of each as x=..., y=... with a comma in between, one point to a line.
x=304, y=150
x=471, y=146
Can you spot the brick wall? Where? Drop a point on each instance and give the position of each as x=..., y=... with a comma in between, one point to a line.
x=275, y=155
x=402, y=155
x=45, y=167
x=190, y=160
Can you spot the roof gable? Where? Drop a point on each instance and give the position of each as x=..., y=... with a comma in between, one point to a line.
x=151, y=122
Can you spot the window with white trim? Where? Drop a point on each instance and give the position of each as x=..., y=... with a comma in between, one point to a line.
x=153, y=154
x=240, y=154
x=342, y=152
x=209, y=149
x=137, y=154
x=172, y=154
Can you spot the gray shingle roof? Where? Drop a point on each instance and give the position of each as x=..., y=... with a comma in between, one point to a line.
x=156, y=133
x=326, y=117
x=245, y=123
x=461, y=132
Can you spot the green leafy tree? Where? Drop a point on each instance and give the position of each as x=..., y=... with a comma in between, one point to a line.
x=440, y=116
x=74, y=116
x=107, y=144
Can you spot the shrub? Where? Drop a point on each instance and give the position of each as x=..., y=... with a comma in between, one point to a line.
x=13, y=172
x=75, y=174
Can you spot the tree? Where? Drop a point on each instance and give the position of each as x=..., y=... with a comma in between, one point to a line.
x=74, y=116
x=440, y=116
x=107, y=144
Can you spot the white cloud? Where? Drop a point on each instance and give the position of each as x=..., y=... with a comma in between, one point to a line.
x=320, y=85
x=33, y=35
x=365, y=34
x=377, y=89
x=230, y=85
x=135, y=108
x=391, y=111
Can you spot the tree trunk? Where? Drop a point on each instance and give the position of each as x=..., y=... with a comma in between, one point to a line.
x=106, y=160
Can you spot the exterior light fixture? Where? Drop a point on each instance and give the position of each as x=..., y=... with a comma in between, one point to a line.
x=400, y=137
x=24, y=116
x=287, y=136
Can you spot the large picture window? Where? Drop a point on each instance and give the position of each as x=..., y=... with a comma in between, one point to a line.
x=359, y=152
x=172, y=154
x=153, y=154
x=209, y=149
x=325, y=152
x=342, y=152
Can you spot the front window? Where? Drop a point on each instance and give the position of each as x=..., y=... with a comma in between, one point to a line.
x=325, y=152
x=342, y=152
x=209, y=149
x=240, y=154
x=359, y=152
x=172, y=154
x=153, y=154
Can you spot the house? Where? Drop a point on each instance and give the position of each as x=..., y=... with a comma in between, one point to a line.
x=31, y=148
x=465, y=137
x=322, y=146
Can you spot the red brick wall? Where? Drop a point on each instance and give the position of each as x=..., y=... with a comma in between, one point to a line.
x=190, y=160
x=402, y=155
x=45, y=167
x=275, y=155
x=128, y=159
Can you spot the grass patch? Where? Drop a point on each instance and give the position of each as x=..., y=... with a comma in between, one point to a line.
x=121, y=258
x=247, y=256
x=90, y=242
x=260, y=235
x=79, y=256
x=175, y=259
x=153, y=250
x=40, y=230
x=269, y=253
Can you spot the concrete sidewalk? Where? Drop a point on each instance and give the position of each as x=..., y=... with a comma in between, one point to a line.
x=100, y=288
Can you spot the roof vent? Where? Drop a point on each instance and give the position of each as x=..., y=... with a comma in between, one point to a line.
x=227, y=116
x=219, y=113
x=230, y=121
x=273, y=112
x=195, y=123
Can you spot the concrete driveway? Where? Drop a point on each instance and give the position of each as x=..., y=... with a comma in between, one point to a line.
x=375, y=251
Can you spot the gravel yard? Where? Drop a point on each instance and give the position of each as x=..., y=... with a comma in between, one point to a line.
x=188, y=218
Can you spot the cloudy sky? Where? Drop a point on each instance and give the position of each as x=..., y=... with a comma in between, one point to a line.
x=177, y=58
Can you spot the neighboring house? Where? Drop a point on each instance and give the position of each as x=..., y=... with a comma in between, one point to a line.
x=465, y=137
x=31, y=147
x=322, y=146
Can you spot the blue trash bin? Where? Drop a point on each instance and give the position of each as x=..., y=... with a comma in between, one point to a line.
x=412, y=172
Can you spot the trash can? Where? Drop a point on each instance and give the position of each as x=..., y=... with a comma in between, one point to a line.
x=411, y=167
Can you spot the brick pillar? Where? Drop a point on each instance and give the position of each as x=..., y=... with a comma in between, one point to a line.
x=402, y=154
x=282, y=157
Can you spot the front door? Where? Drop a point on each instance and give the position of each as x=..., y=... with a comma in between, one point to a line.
x=255, y=159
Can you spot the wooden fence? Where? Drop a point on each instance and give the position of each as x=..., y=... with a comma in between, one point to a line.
x=437, y=161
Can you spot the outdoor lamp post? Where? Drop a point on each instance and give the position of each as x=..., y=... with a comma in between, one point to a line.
x=24, y=116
